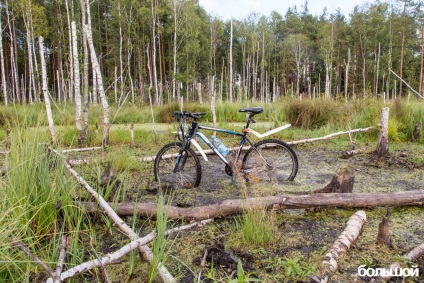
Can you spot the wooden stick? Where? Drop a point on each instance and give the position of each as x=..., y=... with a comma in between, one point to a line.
x=112, y=257
x=23, y=248
x=102, y=266
x=108, y=210
x=80, y=149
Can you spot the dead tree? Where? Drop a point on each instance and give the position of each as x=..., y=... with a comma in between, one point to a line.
x=46, y=91
x=383, y=141
x=342, y=244
x=342, y=182
x=383, y=236
x=235, y=206
x=417, y=130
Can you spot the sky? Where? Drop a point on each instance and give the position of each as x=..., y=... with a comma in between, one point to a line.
x=240, y=9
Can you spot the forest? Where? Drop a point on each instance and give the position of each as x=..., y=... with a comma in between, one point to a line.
x=323, y=85
x=163, y=50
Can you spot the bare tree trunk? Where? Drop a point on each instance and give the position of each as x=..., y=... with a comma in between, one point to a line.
x=71, y=58
x=199, y=92
x=174, y=48
x=77, y=83
x=377, y=70
x=155, y=79
x=150, y=93
x=422, y=62
x=383, y=141
x=231, y=61
x=3, y=72
x=99, y=79
x=213, y=103
x=85, y=71
x=45, y=91
x=347, y=75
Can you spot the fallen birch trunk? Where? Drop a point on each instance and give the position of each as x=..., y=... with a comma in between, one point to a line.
x=144, y=250
x=112, y=257
x=411, y=256
x=81, y=149
x=327, y=137
x=353, y=152
x=235, y=206
x=343, y=243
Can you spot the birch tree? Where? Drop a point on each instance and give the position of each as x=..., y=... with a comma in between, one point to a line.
x=99, y=78
x=45, y=90
x=3, y=71
x=77, y=83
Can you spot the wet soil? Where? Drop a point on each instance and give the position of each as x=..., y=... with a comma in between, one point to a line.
x=300, y=234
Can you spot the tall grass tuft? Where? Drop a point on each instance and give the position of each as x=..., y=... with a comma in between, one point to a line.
x=159, y=245
x=256, y=227
x=36, y=205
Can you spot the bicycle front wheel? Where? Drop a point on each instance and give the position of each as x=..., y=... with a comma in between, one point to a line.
x=270, y=160
x=177, y=167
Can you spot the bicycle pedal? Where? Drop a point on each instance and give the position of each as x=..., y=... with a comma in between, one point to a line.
x=256, y=180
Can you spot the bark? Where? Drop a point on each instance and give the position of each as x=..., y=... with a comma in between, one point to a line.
x=342, y=182
x=347, y=75
x=113, y=257
x=155, y=76
x=417, y=130
x=85, y=72
x=120, y=224
x=383, y=236
x=77, y=83
x=99, y=80
x=343, y=243
x=3, y=72
x=231, y=61
x=383, y=141
x=45, y=91
x=235, y=206
x=411, y=256
x=420, y=90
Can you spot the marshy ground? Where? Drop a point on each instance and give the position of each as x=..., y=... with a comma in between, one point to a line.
x=300, y=237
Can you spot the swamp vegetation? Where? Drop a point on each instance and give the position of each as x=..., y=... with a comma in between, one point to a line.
x=40, y=200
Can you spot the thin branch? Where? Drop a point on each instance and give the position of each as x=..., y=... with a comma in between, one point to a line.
x=111, y=258
x=23, y=248
x=413, y=90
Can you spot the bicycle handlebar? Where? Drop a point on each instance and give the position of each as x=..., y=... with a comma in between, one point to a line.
x=194, y=115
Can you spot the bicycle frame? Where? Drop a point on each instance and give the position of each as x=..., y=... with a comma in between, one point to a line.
x=194, y=131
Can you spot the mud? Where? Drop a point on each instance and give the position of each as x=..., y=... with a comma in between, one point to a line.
x=300, y=234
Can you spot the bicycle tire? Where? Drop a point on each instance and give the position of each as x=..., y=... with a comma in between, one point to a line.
x=278, y=154
x=188, y=175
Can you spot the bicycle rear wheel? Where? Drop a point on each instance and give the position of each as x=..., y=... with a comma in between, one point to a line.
x=270, y=160
x=177, y=167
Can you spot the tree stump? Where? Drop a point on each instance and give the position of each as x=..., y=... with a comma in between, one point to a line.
x=342, y=182
x=383, y=236
x=383, y=141
x=417, y=130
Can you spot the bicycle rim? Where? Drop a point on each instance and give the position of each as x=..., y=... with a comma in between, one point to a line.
x=176, y=168
x=272, y=161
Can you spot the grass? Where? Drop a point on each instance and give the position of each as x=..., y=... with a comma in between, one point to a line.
x=36, y=207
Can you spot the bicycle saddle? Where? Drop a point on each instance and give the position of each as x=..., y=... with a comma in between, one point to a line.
x=253, y=110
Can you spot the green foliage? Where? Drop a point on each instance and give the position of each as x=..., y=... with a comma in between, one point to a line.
x=255, y=227
x=242, y=276
x=159, y=244
x=36, y=205
x=294, y=268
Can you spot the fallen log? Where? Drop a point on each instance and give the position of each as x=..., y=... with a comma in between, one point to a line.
x=235, y=206
x=409, y=257
x=342, y=244
x=80, y=149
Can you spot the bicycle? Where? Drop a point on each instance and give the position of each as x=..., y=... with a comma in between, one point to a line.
x=177, y=164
